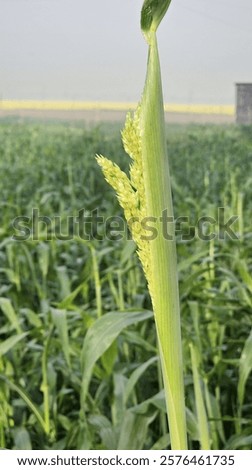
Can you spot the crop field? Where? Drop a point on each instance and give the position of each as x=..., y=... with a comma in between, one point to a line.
x=79, y=362
x=96, y=111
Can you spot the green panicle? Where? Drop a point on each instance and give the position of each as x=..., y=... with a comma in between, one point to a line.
x=130, y=191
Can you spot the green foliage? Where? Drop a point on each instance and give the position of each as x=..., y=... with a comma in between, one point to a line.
x=245, y=368
x=100, y=337
x=49, y=287
x=152, y=13
x=199, y=402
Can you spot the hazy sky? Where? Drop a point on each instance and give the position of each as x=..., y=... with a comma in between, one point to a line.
x=94, y=50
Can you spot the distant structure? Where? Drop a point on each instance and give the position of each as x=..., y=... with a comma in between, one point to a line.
x=244, y=103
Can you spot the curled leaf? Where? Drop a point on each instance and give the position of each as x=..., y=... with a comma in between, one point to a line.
x=152, y=14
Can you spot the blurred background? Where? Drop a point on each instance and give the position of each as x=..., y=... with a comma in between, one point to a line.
x=94, y=51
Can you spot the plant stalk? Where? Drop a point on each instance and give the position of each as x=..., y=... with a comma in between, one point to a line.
x=164, y=280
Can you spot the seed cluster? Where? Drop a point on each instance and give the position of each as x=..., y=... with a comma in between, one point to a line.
x=131, y=191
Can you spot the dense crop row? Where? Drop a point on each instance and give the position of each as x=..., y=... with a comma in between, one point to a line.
x=74, y=372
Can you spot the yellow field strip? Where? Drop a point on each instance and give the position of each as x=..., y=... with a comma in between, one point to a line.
x=7, y=105
x=228, y=110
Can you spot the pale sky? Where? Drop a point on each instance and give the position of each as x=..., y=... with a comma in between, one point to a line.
x=94, y=50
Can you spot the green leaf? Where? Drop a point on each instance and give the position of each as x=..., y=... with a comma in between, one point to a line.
x=12, y=275
x=152, y=14
x=109, y=357
x=192, y=425
x=22, y=439
x=190, y=260
x=214, y=415
x=9, y=343
x=99, y=338
x=26, y=399
x=245, y=368
x=244, y=273
x=136, y=375
x=158, y=401
x=64, y=281
x=107, y=433
x=67, y=302
x=118, y=408
x=32, y=317
x=127, y=252
x=200, y=405
x=162, y=443
x=43, y=259
x=239, y=442
x=60, y=321
x=163, y=275
x=9, y=312
x=134, y=430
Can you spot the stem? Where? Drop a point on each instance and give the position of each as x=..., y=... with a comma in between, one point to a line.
x=212, y=422
x=200, y=405
x=164, y=279
x=97, y=282
x=120, y=290
x=146, y=197
x=163, y=419
x=45, y=387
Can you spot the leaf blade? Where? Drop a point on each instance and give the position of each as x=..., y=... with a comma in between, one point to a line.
x=99, y=338
x=9, y=343
x=152, y=14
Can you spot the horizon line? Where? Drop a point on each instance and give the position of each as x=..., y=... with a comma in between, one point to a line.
x=78, y=105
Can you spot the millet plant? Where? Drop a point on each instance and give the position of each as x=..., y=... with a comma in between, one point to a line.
x=145, y=196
